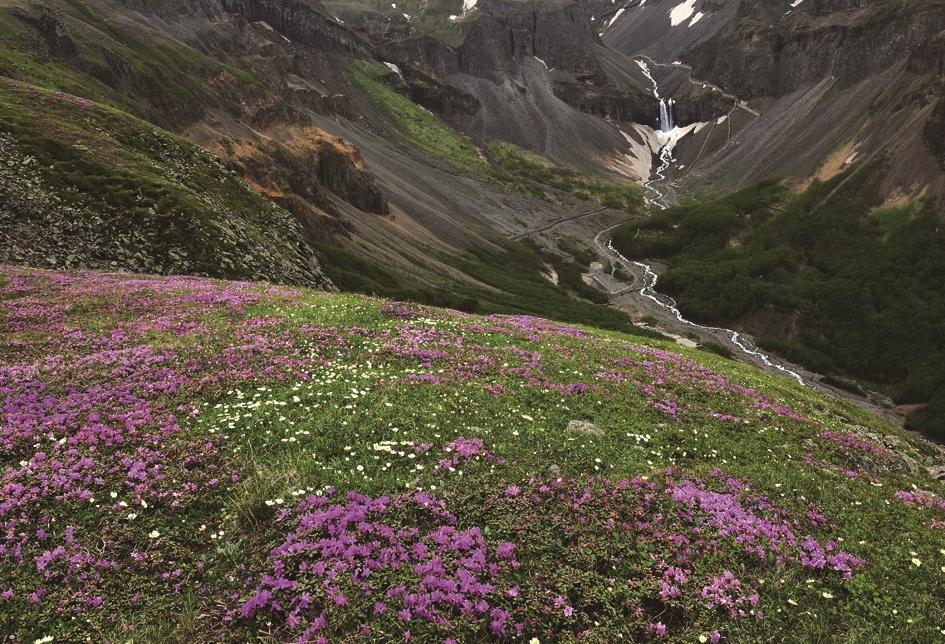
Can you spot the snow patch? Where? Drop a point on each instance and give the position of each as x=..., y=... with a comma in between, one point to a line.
x=394, y=68
x=640, y=155
x=646, y=72
x=696, y=18
x=616, y=16
x=682, y=12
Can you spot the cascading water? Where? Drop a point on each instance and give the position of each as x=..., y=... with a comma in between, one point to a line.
x=666, y=114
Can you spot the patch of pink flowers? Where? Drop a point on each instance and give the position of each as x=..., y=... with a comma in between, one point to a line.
x=401, y=559
x=854, y=442
x=462, y=450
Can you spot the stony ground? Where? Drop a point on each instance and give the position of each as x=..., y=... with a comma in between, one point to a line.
x=192, y=460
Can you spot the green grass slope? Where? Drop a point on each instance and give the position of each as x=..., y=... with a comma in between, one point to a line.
x=83, y=184
x=524, y=164
x=867, y=280
x=192, y=460
x=91, y=49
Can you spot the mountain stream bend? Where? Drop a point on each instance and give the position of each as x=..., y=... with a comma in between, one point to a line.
x=668, y=132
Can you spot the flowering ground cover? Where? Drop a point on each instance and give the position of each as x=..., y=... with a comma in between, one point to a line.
x=192, y=460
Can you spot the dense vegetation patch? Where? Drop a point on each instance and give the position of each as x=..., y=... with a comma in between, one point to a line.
x=525, y=164
x=869, y=282
x=190, y=460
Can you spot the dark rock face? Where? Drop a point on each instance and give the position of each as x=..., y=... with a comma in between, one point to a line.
x=774, y=322
x=342, y=171
x=302, y=165
x=700, y=108
x=934, y=132
x=449, y=102
x=55, y=34
x=607, y=102
x=769, y=55
x=304, y=21
x=508, y=31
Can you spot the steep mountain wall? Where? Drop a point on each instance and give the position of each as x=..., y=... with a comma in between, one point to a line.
x=861, y=75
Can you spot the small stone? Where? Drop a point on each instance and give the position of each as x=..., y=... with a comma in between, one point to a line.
x=554, y=471
x=584, y=426
x=937, y=472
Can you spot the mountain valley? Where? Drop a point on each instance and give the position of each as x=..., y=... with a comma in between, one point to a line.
x=472, y=320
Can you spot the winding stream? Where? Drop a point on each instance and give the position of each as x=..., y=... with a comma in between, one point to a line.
x=650, y=277
x=666, y=150
x=738, y=339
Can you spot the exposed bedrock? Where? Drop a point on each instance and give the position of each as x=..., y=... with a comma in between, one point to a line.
x=849, y=40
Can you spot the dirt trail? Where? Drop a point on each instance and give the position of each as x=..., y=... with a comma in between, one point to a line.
x=558, y=222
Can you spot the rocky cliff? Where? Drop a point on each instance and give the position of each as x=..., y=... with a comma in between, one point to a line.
x=824, y=76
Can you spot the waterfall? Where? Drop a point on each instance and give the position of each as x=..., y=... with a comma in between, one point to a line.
x=666, y=114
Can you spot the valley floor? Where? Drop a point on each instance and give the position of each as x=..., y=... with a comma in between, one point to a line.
x=591, y=227
x=627, y=296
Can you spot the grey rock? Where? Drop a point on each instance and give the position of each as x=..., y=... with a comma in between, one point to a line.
x=937, y=472
x=584, y=426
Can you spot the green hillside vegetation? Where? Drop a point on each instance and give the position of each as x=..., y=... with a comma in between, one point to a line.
x=137, y=197
x=869, y=282
x=525, y=164
x=416, y=125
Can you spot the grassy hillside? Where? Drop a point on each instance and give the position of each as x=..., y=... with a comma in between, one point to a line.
x=867, y=280
x=84, y=184
x=415, y=124
x=89, y=50
x=524, y=164
x=511, y=277
x=190, y=460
